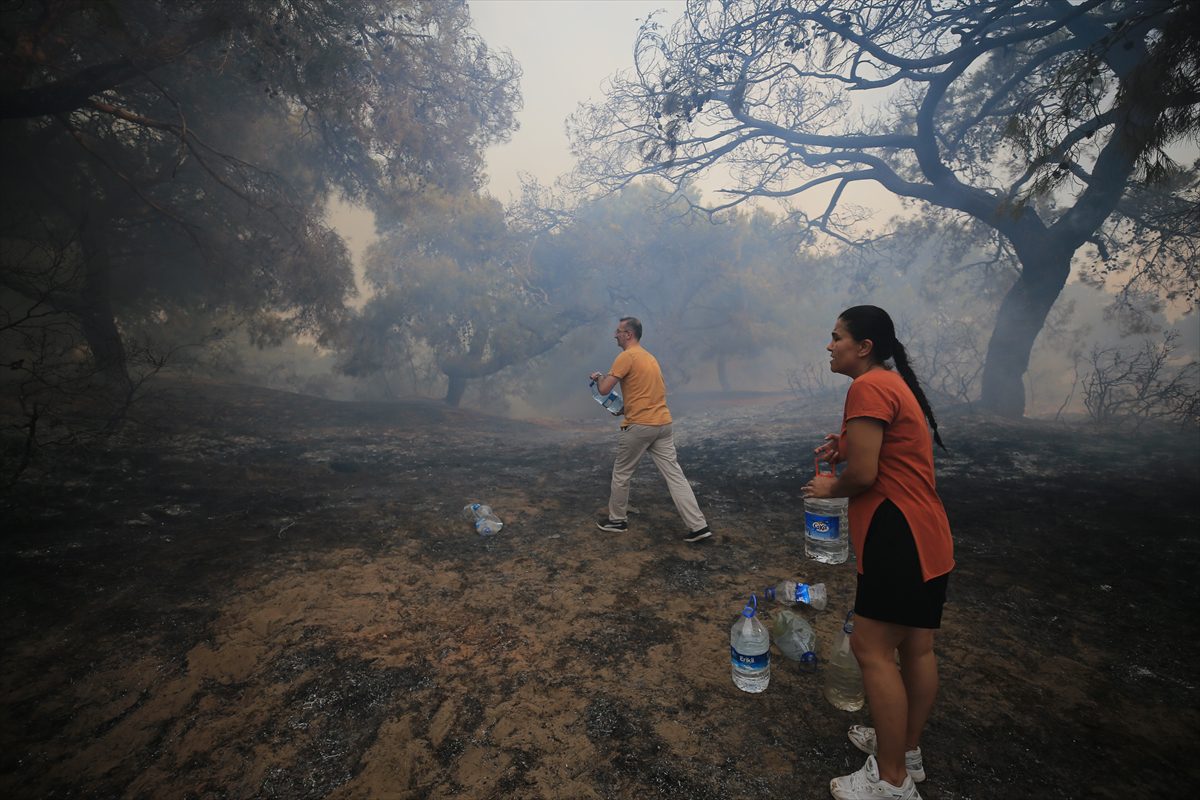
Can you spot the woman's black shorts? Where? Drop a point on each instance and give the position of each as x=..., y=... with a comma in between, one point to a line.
x=891, y=587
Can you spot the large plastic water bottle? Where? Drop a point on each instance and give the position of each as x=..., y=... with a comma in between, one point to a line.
x=750, y=650
x=485, y=520
x=611, y=402
x=794, y=637
x=792, y=592
x=827, y=527
x=843, y=678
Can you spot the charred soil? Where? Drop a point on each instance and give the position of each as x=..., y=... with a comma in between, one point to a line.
x=270, y=595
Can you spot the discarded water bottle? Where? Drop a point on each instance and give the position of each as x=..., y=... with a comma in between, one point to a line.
x=486, y=521
x=610, y=402
x=827, y=527
x=843, y=678
x=792, y=592
x=750, y=650
x=795, y=638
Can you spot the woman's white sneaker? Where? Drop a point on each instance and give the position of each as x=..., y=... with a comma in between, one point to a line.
x=863, y=738
x=866, y=785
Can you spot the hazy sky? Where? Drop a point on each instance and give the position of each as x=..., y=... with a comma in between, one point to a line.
x=567, y=48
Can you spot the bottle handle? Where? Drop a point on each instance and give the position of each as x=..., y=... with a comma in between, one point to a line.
x=817, y=467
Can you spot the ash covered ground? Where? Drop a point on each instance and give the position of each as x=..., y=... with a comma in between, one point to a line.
x=266, y=595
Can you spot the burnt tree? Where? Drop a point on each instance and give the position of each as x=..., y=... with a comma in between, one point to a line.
x=1046, y=121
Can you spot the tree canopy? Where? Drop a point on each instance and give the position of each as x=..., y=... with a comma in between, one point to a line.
x=462, y=290
x=1051, y=123
x=454, y=287
x=179, y=154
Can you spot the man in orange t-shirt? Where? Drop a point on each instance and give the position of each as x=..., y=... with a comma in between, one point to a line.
x=647, y=428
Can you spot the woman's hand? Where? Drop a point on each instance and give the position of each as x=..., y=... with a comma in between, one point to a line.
x=819, y=486
x=828, y=450
x=864, y=439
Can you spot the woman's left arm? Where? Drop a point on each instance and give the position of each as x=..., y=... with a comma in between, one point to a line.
x=864, y=438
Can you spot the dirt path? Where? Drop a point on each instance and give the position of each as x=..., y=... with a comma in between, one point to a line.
x=277, y=598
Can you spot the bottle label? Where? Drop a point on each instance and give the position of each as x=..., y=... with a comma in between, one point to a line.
x=752, y=663
x=802, y=593
x=819, y=526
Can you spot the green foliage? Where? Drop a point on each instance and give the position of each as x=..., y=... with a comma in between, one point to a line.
x=454, y=284
x=168, y=166
x=181, y=154
x=460, y=292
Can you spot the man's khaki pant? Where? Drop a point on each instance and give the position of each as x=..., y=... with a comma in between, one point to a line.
x=634, y=441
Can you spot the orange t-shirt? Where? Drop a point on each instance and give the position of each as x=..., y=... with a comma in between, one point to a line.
x=642, y=387
x=905, y=469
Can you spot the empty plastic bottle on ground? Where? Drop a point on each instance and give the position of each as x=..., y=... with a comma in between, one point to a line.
x=794, y=637
x=750, y=650
x=827, y=527
x=843, y=679
x=792, y=592
x=610, y=402
x=484, y=519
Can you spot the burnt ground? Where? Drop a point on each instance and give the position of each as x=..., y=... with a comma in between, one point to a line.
x=274, y=596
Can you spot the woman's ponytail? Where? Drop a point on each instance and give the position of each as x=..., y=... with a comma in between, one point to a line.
x=910, y=377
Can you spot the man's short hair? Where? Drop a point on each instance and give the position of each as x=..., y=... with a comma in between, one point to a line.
x=634, y=325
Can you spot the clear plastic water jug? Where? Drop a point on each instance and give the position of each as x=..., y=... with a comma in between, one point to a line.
x=611, y=402
x=827, y=526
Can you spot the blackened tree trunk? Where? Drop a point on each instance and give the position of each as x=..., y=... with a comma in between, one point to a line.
x=1022, y=314
x=104, y=340
x=95, y=310
x=723, y=374
x=454, y=392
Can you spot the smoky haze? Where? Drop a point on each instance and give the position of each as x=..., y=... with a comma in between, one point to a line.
x=287, y=288
x=175, y=219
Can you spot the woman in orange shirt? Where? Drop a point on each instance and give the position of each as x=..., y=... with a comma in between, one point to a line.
x=901, y=539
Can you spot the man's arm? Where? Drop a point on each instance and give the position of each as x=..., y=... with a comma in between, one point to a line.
x=604, y=383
